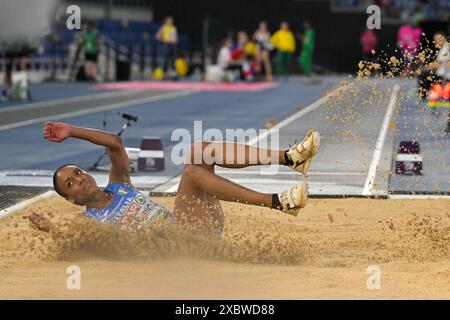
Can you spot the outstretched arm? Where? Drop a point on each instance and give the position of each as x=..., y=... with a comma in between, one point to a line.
x=120, y=168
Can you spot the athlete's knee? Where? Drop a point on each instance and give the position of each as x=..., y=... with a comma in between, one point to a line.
x=196, y=154
x=193, y=172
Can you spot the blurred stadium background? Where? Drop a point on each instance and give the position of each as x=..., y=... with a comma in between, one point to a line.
x=130, y=66
x=128, y=31
x=379, y=139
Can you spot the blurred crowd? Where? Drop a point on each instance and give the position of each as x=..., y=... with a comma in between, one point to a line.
x=417, y=57
x=258, y=56
x=249, y=58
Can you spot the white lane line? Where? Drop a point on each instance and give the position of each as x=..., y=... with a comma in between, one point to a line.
x=26, y=203
x=256, y=181
x=369, y=183
x=418, y=197
x=86, y=97
x=313, y=106
x=293, y=173
x=316, y=104
x=274, y=185
x=108, y=107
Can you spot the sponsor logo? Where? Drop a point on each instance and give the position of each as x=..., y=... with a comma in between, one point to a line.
x=133, y=209
x=149, y=210
x=140, y=199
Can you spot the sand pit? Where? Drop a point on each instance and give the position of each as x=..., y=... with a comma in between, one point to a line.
x=322, y=254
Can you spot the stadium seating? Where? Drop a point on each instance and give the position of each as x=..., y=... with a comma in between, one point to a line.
x=129, y=35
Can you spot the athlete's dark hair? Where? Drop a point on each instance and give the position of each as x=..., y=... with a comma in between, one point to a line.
x=55, y=184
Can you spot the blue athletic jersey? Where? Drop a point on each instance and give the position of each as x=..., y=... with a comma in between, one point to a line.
x=131, y=208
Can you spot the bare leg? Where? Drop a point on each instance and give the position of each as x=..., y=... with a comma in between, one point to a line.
x=194, y=205
x=232, y=155
x=94, y=70
x=223, y=189
x=200, y=188
x=257, y=59
x=87, y=70
x=90, y=69
x=268, y=68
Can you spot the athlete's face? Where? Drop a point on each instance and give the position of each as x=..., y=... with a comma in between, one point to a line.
x=76, y=184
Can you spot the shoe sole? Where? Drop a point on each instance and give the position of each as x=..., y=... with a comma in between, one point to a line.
x=316, y=146
x=303, y=190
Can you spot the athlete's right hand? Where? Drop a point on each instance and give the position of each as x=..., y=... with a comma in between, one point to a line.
x=56, y=131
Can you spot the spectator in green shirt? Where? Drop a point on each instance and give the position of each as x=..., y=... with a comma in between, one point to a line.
x=306, y=55
x=90, y=46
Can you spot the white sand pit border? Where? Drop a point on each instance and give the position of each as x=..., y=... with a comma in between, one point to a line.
x=23, y=204
x=50, y=193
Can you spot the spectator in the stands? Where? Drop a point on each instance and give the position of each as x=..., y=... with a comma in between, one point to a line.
x=263, y=48
x=368, y=42
x=408, y=41
x=438, y=71
x=90, y=44
x=224, y=56
x=308, y=44
x=283, y=40
x=228, y=59
x=220, y=71
x=181, y=66
x=168, y=35
x=242, y=56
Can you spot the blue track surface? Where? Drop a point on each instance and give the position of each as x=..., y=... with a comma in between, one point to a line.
x=24, y=148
